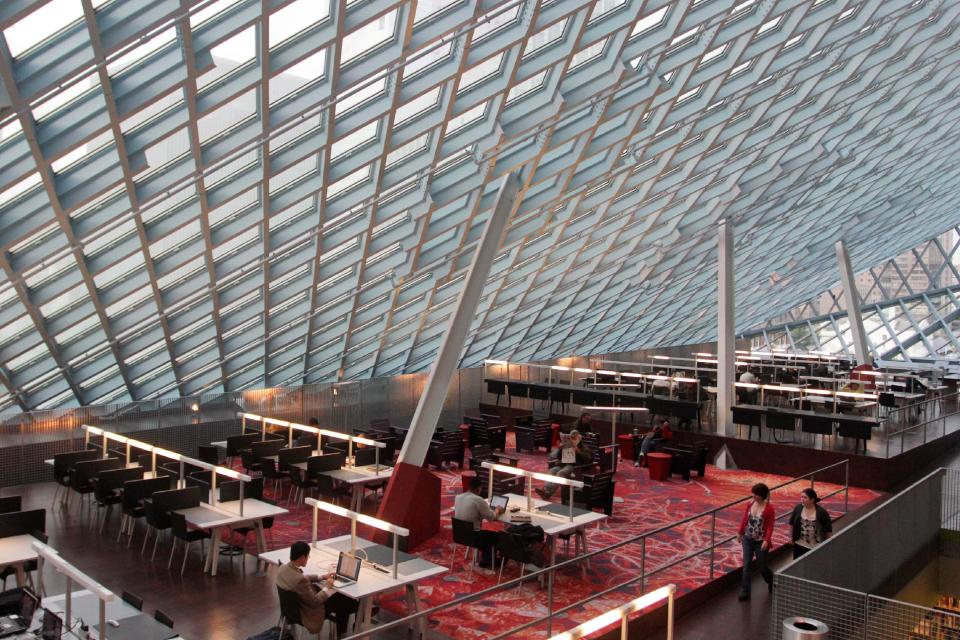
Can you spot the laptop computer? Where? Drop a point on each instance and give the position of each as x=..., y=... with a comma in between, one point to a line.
x=348, y=570
x=18, y=623
x=52, y=627
x=499, y=501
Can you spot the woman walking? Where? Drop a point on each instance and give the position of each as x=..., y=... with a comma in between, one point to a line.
x=810, y=523
x=755, y=536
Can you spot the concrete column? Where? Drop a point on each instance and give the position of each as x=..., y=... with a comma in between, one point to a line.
x=851, y=300
x=726, y=345
x=428, y=410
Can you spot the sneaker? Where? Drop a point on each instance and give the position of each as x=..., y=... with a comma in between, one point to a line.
x=743, y=596
x=530, y=567
x=637, y=464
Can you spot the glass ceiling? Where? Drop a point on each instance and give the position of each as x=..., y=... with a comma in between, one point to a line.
x=205, y=196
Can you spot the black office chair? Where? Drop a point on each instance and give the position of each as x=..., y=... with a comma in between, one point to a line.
x=270, y=471
x=290, y=612
x=511, y=547
x=10, y=504
x=463, y=533
x=243, y=532
x=158, y=520
x=327, y=489
x=163, y=618
x=250, y=464
x=133, y=600
x=178, y=525
x=300, y=485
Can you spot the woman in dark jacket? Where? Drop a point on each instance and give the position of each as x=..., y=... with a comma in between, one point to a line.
x=809, y=522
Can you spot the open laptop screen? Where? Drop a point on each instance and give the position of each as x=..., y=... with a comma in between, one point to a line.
x=52, y=628
x=499, y=501
x=348, y=567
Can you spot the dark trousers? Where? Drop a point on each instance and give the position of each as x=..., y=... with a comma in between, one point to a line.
x=754, y=549
x=487, y=541
x=341, y=606
x=798, y=550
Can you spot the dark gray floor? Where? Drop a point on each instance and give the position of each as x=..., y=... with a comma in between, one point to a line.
x=725, y=616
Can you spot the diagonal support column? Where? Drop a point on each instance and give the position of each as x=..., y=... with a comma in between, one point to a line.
x=425, y=417
x=726, y=361
x=852, y=302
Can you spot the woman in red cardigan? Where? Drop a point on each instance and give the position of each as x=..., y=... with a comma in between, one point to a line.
x=755, y=535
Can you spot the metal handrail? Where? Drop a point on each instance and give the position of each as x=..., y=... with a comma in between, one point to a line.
x=548, y=572
x=942, y=418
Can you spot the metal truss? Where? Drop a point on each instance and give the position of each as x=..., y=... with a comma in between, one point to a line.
x=205, y=196
x=930, y=266
x=920, y=327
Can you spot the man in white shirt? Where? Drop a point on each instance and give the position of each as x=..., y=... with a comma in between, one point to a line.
x=471, y=506
x=748, y=377
x=744, y=394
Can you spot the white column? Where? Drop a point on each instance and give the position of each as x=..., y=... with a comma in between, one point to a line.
x=425, y=418
x=851, y=300
x=726, y=346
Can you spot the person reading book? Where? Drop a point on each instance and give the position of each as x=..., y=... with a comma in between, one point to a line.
x=564, y=459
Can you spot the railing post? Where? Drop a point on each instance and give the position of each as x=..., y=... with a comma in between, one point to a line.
x=713, y=540
x=846, y=486
x=550, y=604
x=643, y=564
x=670, y=616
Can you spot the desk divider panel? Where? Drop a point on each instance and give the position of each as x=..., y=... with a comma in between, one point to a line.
x=10, y=504
x=115, y=478
x=139, y=489
x=293, y=455
x=21, y=523
x=175, y=499
x=266, y=448
x=63, y=461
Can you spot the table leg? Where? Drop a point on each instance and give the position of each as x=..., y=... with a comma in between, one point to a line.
x=261, y=540
x=361, y=621
x=582, y=534
x=413, y=606
x=213, y=557
x=357, y=498
x=21, y=576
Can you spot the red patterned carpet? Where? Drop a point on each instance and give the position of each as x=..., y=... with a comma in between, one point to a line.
x=648, y=505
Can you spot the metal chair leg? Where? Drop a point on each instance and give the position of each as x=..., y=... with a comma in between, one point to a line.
x=156, y=541
x=186, y=554
x=146, y=537
x=173, y=548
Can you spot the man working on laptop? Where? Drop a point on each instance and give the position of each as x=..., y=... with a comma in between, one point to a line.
x=314, y=599
x=471, y=506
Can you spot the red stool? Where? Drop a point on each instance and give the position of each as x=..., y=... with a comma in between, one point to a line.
x=659, y=464
x=626, y=447
x=554, y=435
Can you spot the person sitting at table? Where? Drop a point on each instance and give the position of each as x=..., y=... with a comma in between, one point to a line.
x=471, y=506
x=583, y=423
x=564, y=460
x=314, y=593
x=661, y=385
x=660, y=433
x=747, y=395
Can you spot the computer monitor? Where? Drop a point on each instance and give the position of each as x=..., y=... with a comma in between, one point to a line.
x=52, y=628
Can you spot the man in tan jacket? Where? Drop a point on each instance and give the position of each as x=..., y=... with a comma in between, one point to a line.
x=314, y=598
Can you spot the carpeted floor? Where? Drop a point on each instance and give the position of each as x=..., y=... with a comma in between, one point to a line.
x=647, y=506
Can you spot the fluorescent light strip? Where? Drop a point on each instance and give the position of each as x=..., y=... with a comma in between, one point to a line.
x=618, y=409
x=376, y=523
x=495, y=362
x=50, y=555
x=166, y=453
x=533, y=474
x=616, y=615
